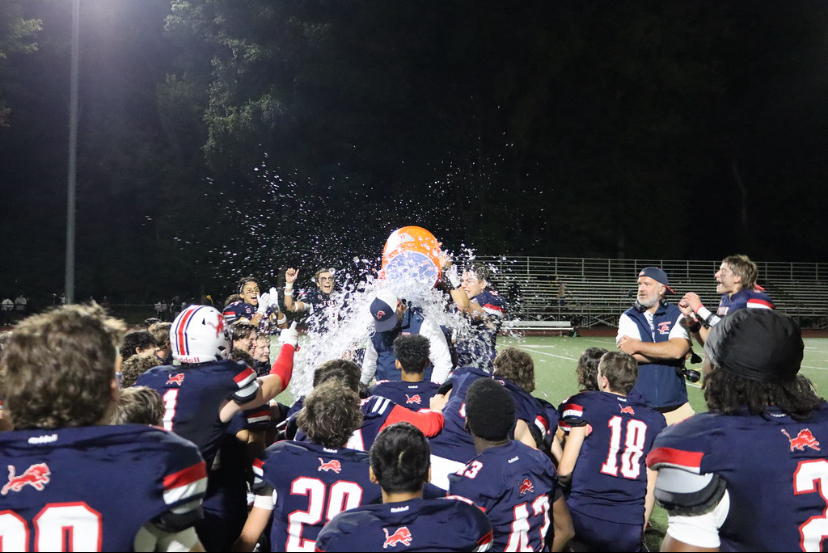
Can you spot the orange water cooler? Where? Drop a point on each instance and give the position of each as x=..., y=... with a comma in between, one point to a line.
x=411, y=253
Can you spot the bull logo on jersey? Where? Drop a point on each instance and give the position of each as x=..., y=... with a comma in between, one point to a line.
x=664, y=327
x=176, y=379
x=526, y=487
x=413, y=399
x=629, y=410
x=36, y=476
x=334, y=465
x=804, y=439
x=401, y=536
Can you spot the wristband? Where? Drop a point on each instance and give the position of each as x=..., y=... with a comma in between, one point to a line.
x=705, y=315
x=283, y=320
x=289, y=292
x=288, y=286
x=695, y=327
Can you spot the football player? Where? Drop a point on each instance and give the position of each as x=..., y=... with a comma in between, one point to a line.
x=203, y=395
x=515, y=485
x=603, y=460
x=736, y=282
x=75, y=483
x=454, y=447
x=400, y=465
x=312, y=302
x=413, y=391
x=751, y=474
x=305, y=484
x=486, y=309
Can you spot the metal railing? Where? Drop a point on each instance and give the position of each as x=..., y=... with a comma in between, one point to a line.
x=596, y=291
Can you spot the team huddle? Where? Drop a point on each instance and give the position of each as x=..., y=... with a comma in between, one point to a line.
x=430, y=442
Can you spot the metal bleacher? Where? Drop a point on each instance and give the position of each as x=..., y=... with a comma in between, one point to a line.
x=594, y=292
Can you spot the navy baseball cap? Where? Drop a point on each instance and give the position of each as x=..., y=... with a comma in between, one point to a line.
x=384, y=311
x=657, y=275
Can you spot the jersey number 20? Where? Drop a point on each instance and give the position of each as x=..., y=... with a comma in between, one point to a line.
x=342, y=496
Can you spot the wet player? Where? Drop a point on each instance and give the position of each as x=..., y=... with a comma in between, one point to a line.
x=413, y=391
x=515, y=485
x=751, y=474
x=312, y=302
x=486, y=309
x=75, y=484
x=603, y=461
x=736, y=282
x=400, y=465
x=305, y=484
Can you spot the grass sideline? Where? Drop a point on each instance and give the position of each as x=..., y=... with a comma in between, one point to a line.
x=555, y=361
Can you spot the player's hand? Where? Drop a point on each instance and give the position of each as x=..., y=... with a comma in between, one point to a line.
x=685, y=309
x=291, y=275
x=264, y=303
x=438, y=403
x=445, y=260
x=273, y=302
x=453, y=277
x=289, y=336
x=692, y=300
x=628, y=345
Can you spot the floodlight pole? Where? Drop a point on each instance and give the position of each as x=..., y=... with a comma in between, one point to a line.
x=73, y=154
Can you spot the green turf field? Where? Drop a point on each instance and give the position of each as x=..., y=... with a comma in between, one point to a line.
x=556, y=359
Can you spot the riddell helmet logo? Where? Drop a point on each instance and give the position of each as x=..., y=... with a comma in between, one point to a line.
x=413, y=399
x=334, y=465
x=401, y=536
x=526, y=487
x=804, y=439
x=628, y=410
x=176, y=379
x=36, y=476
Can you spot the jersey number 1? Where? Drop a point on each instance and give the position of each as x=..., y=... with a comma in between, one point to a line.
x=636, y=439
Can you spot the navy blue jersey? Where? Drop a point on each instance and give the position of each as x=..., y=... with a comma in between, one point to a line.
x=610, y=477
x=93, y=488
x=238, y=310
x=744, y=299
x=514, y=485
x=227, y=490
x=478, y=349
x=311, y=485
x=411, y=395
x=539, y=415
x=776, y=472
x=455, y=442
x=194, y=394
x=419, y=525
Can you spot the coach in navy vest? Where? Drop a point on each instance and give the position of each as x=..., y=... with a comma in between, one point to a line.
x=393, y=318
x=654, y=332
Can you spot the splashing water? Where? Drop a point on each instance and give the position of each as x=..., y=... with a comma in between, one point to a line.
x=348, y=324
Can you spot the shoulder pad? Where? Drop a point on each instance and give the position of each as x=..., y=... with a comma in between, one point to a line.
x=684, y=493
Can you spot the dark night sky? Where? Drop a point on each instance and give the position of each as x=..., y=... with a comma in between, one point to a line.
x=222, y=138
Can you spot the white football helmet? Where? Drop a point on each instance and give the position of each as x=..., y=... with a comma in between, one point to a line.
x=199, y=335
